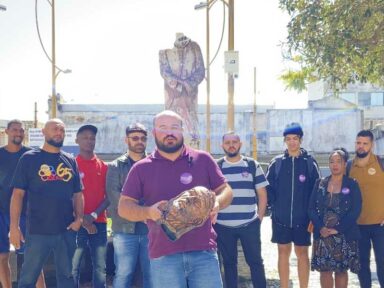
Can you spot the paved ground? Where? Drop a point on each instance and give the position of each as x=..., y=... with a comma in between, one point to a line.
x=270, y=259
x=269, y=251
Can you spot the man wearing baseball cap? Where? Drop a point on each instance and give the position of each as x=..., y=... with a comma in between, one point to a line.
x=93, y=233
x=130, y=239
x=291, y=178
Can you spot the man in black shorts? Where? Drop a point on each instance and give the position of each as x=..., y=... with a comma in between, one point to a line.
x=291, y=176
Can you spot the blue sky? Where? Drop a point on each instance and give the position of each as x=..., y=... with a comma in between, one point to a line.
x=112, y=49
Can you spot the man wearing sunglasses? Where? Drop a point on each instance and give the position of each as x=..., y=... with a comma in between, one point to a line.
x=129, y=238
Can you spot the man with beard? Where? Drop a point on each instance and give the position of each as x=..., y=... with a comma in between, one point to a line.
x=367, y=169
x=242, y=219
x=9, y=156
x=191, y=261
x=292, y=176
x=130, y=240
x=52, y=181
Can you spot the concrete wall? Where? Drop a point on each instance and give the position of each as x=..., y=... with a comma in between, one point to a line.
x=111, y=122
x=324, y=129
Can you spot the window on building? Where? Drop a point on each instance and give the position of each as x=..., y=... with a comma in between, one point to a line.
x=364, y=99
x=377, y=99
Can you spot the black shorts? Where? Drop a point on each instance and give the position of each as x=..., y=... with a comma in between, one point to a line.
x=284, y=235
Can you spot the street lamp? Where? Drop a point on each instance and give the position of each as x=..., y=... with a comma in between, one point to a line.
x=231, y=40
x=55, y=70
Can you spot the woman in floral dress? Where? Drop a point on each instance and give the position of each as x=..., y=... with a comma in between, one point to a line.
x=334, y=207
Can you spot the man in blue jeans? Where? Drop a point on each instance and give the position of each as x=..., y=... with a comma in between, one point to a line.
x=9, y=157
x=242, y=219
x=368, y=169
x=54, y=209
x=190, y=261
x=93, y=234
x=130, y=241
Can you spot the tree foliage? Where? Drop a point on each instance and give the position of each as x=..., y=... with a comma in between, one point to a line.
x=341, y=41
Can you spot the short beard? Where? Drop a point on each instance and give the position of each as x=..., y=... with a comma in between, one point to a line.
x=169, y=149
x=232, y=154
x=362, y=155
x=17, y=142
x=138, y=150
x=55, y=143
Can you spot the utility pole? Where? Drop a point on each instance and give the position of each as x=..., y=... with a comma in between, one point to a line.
x=254, y=138
x=208, y=79
x=54, y=96
x=35, y=120
x=231, y=80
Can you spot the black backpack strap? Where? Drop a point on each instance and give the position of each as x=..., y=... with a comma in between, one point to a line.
x=252, y=168
x=220, y=162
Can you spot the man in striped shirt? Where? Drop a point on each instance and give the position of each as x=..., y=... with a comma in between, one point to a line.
x=242, y=219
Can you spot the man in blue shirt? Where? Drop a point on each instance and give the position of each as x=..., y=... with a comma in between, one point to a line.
x=9, y=157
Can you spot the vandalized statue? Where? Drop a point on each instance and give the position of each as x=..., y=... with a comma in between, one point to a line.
x=182, y=68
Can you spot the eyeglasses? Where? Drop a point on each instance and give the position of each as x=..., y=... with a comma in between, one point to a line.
x=137, y=138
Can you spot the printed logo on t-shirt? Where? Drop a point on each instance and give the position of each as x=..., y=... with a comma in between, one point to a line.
x=244, y=174
x=302, y=178
x=49, y=173
x=186, y=178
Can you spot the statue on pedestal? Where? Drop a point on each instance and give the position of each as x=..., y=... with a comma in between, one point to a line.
x=182, y=68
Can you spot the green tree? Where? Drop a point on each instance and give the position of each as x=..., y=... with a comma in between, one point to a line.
x=341, y=41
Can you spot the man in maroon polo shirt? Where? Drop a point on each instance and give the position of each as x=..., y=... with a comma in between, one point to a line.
x=171, y=169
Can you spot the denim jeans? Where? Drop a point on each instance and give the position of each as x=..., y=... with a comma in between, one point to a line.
x=195, y=269
x=129, y=248
x=97, y=244
x=249, y=236
x=371, y=234
x=37, y=249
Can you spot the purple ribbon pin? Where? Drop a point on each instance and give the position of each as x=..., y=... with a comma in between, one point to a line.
x=345, y=190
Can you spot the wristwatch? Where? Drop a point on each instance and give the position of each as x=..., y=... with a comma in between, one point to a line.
x=94, y=215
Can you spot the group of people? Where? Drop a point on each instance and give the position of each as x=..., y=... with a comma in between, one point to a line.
x=342, y=210
x=52, y=202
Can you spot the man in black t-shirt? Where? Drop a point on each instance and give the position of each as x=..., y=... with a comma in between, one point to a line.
x=52, y=180
x=9, y=157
